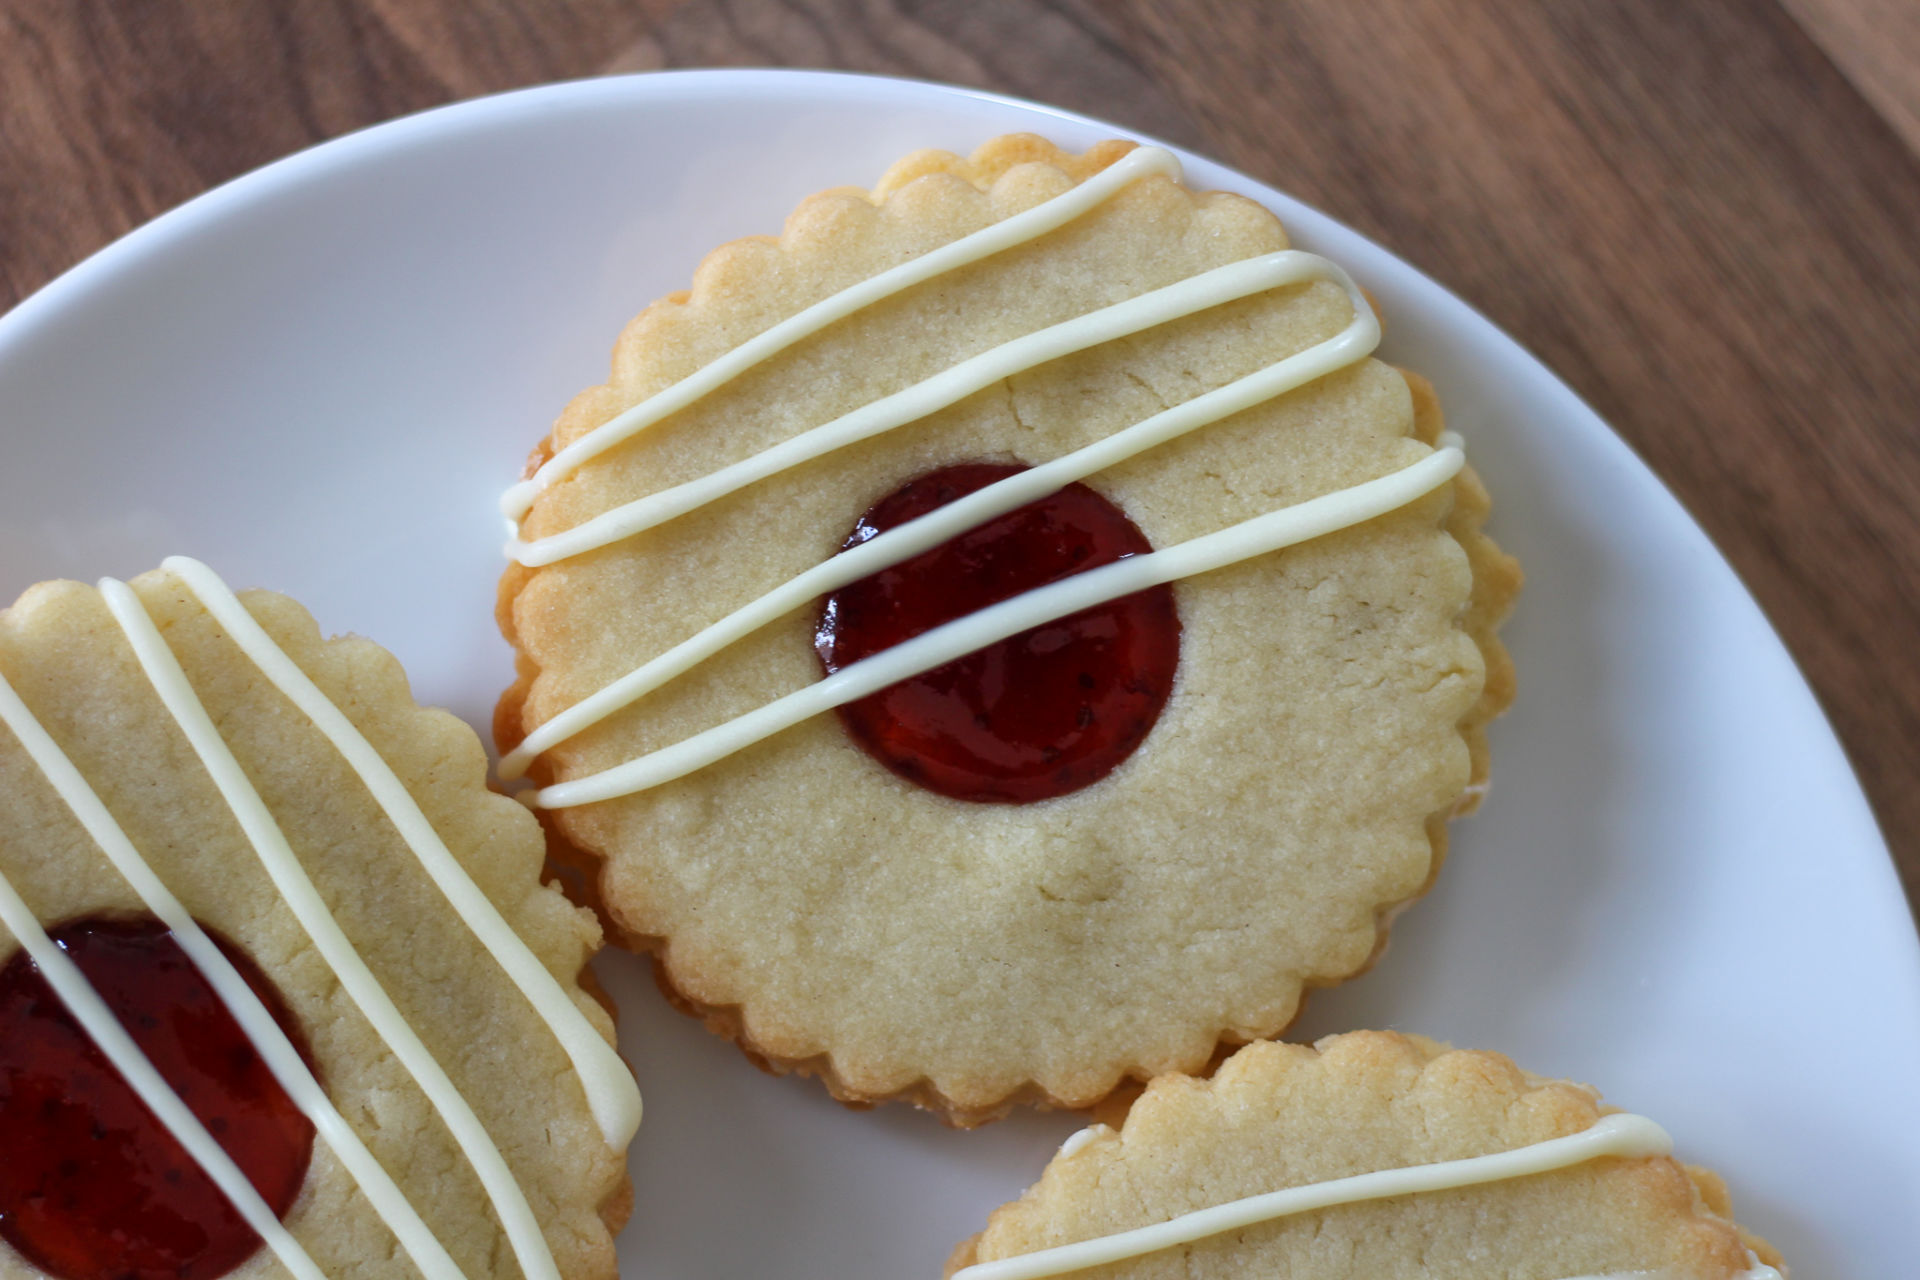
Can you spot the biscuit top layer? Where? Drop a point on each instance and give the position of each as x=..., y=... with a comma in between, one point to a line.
x=175, y=750
x=1287, y=800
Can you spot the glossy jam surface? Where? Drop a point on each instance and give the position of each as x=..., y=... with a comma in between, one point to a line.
x=92, y=1187
x=1034, y=716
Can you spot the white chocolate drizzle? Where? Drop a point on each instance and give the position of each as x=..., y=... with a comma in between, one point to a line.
x=258, y=1025
x=1187, y=297
x=1282, y=528
x=1081, y=1137
x=1236, y=280
x=1008, y=233
x=91, y=1012
x=303, y=898
x=1628, y=1136
x=611, y=1093
x=1271, y=531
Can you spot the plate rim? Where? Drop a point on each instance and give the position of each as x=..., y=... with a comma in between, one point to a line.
x=70, y=289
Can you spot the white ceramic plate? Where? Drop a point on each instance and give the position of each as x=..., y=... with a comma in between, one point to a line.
x=318, y=377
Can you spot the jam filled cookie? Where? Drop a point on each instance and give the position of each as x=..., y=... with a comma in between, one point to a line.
x=279, y=981
x=1004, y=636
x=1371, y=1155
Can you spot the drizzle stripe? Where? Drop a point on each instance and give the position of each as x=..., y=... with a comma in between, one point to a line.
x=1047, y=216
x=1615, y=1135
x=610, y=1089
x=1257, y=536
x=81, y=1000
x=1149, y=310
x=304, y=900
x=1350, y=345
x=276, y=1050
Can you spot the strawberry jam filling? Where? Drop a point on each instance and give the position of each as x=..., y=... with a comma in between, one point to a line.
x=1036, y=715
x=92, y=1186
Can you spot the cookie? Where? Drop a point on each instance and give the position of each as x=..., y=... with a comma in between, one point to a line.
x=281, y=990
x=1003, y=637
x=1366, y=1156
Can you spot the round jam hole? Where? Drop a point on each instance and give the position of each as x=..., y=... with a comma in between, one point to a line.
x=1033, y=716
x=92, y=1187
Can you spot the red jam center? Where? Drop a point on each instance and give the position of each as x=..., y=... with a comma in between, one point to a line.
x=1033, y=716
x=92, y=1187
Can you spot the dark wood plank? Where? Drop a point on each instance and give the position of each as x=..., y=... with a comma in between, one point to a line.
x=1877, y=43
x=1062, y=53
x=1700, y=222
x=112, y=111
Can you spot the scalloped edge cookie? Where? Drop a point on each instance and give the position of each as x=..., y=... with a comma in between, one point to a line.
x=1353, y=1104
x=74, y=663
x=1495, y=583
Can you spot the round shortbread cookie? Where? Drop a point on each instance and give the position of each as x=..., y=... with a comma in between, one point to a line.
x=1326, y=717
x=72, y=671
x=1278, y=1116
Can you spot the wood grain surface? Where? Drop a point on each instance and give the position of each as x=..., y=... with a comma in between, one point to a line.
x=1703, y=216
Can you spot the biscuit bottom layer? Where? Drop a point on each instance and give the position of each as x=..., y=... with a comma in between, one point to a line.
x=93, y=1187
x=1039, y=714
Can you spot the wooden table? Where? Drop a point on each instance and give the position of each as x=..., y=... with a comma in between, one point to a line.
x=1705, y=216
